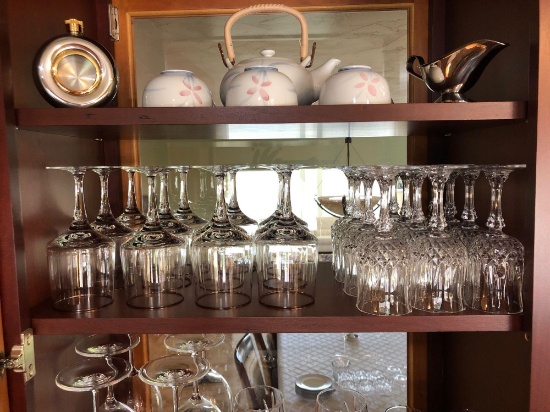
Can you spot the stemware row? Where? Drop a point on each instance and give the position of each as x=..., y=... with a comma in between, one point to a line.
x=438, y=264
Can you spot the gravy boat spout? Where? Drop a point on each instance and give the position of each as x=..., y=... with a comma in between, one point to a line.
x=458, y=71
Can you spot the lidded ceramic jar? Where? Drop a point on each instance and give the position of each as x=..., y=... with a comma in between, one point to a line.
x=176, y=88
x=261, y=86
x=355, y=85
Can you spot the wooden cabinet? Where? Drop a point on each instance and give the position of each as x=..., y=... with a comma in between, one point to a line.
x=501, y=359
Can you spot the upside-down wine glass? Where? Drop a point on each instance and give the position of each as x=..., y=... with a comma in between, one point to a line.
x=234, y=212
x=221, y=257
x=175, y=371
x=131, y=216
x=287, y=256
x=107, y=346
x=340, y=226
x=439, y=260
x=497, y=258
x=152, y=259
x=361, y=230
x=92, y=375
x=382, y=261
x=106, y=223
x=81, y=261
x=197, y=345
x=173, y=225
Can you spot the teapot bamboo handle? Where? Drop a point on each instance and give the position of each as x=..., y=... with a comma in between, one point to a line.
x=410, y=65
x=262, y=8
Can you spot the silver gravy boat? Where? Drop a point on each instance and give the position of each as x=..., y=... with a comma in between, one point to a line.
x=458, y=71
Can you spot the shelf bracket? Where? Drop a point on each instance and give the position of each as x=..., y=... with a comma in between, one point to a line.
x=21, y=358
x=114, y=31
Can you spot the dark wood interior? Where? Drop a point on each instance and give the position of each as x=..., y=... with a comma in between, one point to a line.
x=497, y=363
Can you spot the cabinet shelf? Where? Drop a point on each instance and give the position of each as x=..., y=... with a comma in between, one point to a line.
x=333, y=311
x=323, y=121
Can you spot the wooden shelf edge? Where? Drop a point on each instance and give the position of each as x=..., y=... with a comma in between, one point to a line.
x=402, y=112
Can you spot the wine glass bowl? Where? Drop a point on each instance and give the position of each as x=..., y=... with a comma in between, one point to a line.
x=81, y=261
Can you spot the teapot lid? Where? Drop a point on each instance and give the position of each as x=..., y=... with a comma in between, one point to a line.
x=267, y=53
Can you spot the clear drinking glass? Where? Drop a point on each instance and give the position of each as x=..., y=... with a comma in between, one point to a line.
x=131, y=216
x=497, y=258
x=340, y=400
x=106, y=223
x=438, y=259
x=214, y=388
x=382, y=261
x=92, y=375
x=176, y=371
x=152, y=259
x=259, y=398
x=107, y=346
x=173, y=225
x=286, y=256
x=221, y=257
x=81, y=261
x=234, y=212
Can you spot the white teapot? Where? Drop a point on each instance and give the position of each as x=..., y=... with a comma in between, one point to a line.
x=307, y=82
x=355, y=85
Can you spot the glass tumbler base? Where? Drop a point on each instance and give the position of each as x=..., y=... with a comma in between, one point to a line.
x=287, y=299
x=222, y=300
x=83, y=303
x=155, y=301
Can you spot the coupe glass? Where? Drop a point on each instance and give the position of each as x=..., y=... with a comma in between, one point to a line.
x=131, y=216
x=215, y=392
x=184, y=213
x=93, y=375
x=497, y=258
x=221, y=257
x=106, y=223
x=81, y=261
x=152, y=259
x=175, y=371
x=107, y=346
x=286, y=256
x=382, y=261
x=259, y=398
x=340, y=400
x=234, y=212
x=173, y=225
x=438, y=259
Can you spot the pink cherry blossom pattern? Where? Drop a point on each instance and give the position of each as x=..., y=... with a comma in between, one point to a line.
x=368, y=82
x=191, y=90
x=259, y=87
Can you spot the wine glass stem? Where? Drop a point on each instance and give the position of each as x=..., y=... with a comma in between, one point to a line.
x=175, y=397
x=450, y=207
x=131, y=203
x=104, y=206
x=437, y=218
x=469, y=213
x=356, y=212
x=286, y=203
x=164, y=201
x=95, y=400
x=350, y=198
x=220, y=213
x=393, y=205
x=369, y=216
x=184, y=196
x=417, y=212
x=152, y=212
x=79, y=215
x=406, y=210
x=233, y=203
x=384, y=222
x=110, y=399
x=495, y=220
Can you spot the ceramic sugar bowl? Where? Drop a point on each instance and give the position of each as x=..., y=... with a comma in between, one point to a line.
x=355, y=85
x=176, y=88
x=261, y=86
